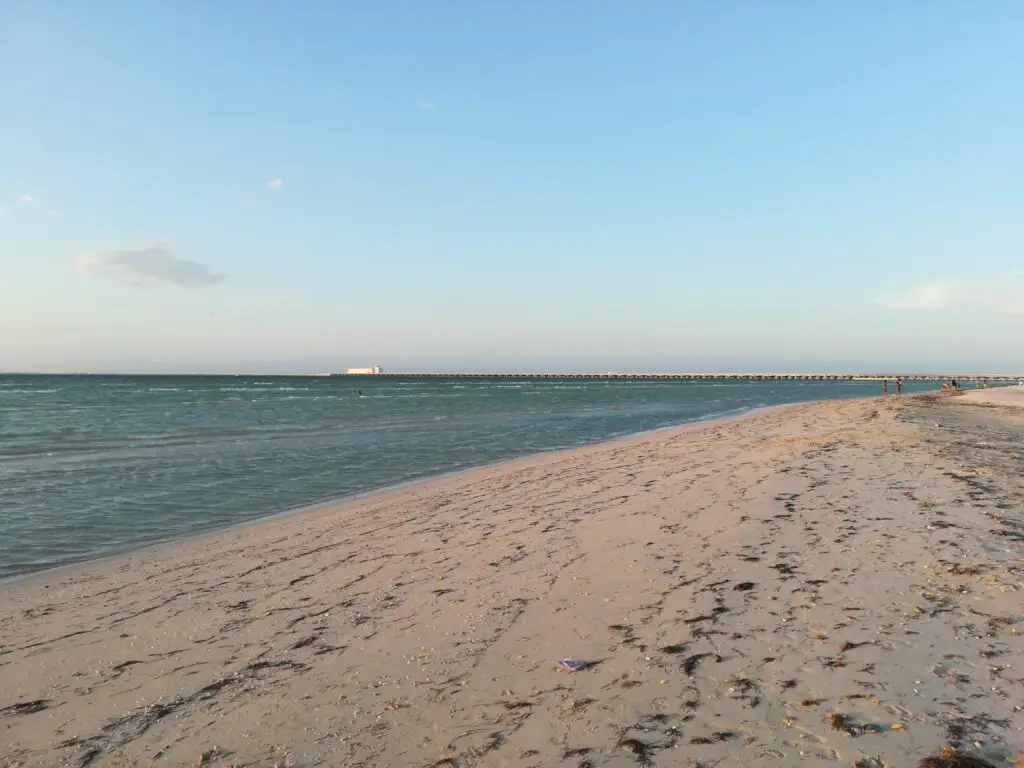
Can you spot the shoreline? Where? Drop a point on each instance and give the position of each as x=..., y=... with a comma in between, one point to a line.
x=724, y=588
x=320, y=506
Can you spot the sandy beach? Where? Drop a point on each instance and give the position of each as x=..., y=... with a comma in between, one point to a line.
x=1008, y=396
x=821, y=584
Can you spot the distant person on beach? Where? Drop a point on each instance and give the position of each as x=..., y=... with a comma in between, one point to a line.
x=885, y=387
x=899, y=386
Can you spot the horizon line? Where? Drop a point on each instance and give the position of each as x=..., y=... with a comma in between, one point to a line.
x=865, y=373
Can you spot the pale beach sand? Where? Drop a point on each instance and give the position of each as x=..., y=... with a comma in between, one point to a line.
x=1010, y=396
x=729, y=586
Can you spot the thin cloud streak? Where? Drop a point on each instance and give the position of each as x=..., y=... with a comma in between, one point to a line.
x=143, y=266
x=1004, y=296
x=276, y=184
x=42, y=329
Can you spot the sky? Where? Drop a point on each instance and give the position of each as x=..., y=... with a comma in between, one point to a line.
x=610, y=185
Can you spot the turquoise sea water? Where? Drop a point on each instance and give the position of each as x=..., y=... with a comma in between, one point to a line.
x=95, y=465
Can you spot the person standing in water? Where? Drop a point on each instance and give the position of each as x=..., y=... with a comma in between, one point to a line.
x=885, y=387
x=899, y=386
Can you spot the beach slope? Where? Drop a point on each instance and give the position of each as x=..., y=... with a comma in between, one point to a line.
x=822, y=584
x=1008, y=396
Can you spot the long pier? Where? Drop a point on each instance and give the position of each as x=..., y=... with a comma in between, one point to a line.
x=992, y=377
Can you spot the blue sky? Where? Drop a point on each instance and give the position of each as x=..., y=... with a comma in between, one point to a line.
x=280, y=187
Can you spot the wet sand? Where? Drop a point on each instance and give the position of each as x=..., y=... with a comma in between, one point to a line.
x=822, y=584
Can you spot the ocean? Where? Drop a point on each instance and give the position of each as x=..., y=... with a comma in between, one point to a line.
x=97, y=465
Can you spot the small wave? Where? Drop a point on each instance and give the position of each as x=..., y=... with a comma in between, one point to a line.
x=27, y=391
x=263, y=389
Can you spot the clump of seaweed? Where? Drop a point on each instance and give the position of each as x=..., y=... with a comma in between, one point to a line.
x=951, y=757
x=674, y=648
x=744, y=689
x=690, y=663
x=718, y=736
x=844, y=723
x=848, y=646
x=838, y=721
x=642, y=750
x=969, y=570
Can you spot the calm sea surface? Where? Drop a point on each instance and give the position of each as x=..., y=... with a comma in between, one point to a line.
x=94, y=465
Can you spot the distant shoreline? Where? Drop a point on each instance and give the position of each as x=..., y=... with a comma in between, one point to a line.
x=997, y=378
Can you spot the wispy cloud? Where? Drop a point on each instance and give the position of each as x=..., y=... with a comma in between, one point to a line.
x=41, y=329
x=51, y=212
x=1001, y=295
x=426, y=106
x=276, y=184
x=26, y=199
x=141, y=266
